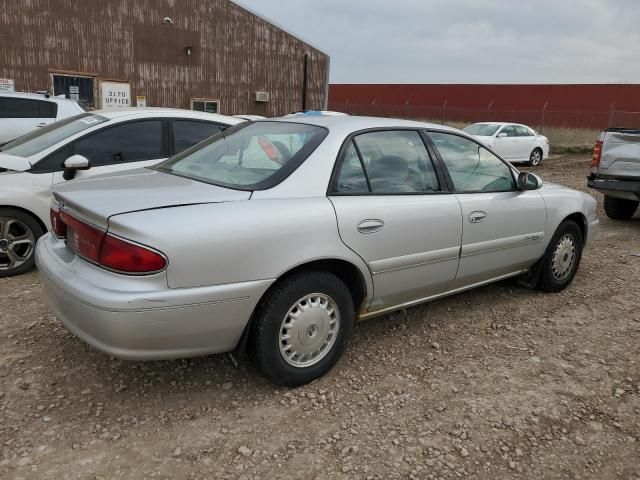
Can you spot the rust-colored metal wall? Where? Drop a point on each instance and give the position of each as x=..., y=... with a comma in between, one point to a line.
x=235, y=53
x=588, y=105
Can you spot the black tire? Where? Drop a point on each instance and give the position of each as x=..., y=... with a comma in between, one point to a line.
x=25, y=223
x=619, y=208
x=535, y=158
x=265, y=341
x=551, y=280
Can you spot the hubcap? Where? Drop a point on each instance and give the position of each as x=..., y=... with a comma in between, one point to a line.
x=17, y=242
x=563, y=258
x=309, y=330
x=535, y=157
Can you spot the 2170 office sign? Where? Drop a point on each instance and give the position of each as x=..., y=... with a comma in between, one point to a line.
x=115, y=94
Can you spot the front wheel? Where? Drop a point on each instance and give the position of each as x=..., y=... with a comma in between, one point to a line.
x=535, y=158
x=562, y=258
x=19, y=233
x=302, y=328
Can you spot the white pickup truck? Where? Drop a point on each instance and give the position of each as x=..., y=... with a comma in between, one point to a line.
x=615, y=171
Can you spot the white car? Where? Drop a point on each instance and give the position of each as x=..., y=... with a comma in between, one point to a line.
x=21, y=113
x=79, y=147
x=512, y=141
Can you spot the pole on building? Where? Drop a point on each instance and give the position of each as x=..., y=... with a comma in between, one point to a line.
x=544, y=110
x=489, y=110
x=612, y=112
x=444, y=108
x=304, y=81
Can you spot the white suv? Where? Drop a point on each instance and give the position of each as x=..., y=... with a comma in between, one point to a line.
x=21, y=113
x=79, y=147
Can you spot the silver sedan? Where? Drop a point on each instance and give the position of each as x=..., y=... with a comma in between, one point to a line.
x=275, y=236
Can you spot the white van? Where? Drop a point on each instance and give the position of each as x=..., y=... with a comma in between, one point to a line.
x=22, y=113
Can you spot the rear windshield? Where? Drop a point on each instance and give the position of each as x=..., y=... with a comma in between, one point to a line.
x=45, y=137
x=249, y=156
x=482, y=129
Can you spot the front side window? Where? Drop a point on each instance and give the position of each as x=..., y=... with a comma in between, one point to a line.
x=523, y=131
x=27, y=108
x=509, y=131
x=249, y=156
x=472, y=167
x=187, y=133
x=395, y=162
x=46, y=137
x=482, y=129
x=129, y=142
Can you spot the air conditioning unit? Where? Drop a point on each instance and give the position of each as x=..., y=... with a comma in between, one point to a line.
x=262, y=97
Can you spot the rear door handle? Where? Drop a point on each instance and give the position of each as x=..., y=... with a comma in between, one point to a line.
x=40, y=125
x=477, y=217
x=370, y=226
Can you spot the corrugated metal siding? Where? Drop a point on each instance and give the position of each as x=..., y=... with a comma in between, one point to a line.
x=235, y=53
x=583, y=106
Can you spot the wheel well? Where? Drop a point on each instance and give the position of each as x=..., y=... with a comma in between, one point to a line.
x=31, y=214
x=345, y=271
x=582, y=223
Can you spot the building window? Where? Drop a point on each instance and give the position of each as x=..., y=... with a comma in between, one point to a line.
x=204, y=105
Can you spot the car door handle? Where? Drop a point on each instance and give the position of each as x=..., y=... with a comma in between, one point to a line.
x=370, y=226
x=40, y=125
x=477, y=217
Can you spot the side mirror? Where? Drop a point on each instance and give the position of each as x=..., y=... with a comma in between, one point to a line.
x=529, y=181
x=502, y=135
x=73, y=164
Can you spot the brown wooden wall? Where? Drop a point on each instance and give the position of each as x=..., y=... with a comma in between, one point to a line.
x=234, y=55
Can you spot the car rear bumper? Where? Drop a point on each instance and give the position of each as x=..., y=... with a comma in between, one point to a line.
x=140, y=318
x=628, y=189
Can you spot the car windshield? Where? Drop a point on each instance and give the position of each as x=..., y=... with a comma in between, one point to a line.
x=43, y=138
x=249, y=156
x=482, y=129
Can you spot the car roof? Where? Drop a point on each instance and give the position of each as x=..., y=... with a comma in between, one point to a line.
x=501, y=124
x=116, y=113
x=355, y=123
x=37, y=96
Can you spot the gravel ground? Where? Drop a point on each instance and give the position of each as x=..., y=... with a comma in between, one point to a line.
x=501, y=382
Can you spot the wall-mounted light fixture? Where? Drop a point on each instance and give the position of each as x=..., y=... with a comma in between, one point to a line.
x=188, y=51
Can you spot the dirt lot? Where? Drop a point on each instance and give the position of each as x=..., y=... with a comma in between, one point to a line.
x=501, y=382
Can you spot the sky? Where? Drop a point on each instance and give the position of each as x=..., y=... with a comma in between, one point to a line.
x=467, y=41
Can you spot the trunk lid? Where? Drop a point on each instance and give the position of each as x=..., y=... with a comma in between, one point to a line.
x=98, y=198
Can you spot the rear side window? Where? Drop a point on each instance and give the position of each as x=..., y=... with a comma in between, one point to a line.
x=395, y=162
x=27, y=108
x=130, y=142
x=187, y=133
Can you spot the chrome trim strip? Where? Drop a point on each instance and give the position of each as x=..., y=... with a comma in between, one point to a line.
x=501, y=244
x=413, y=260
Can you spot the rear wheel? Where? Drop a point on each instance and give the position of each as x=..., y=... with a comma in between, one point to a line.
x=19, y=233
x=535, y=158
x=619, y=208
x=302, y=328
x=562, y=258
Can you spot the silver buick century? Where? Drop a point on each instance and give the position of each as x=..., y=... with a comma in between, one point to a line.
x=275, y=236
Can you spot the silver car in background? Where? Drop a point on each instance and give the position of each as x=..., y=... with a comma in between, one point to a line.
x=277, y=235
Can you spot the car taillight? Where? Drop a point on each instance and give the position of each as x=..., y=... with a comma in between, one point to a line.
x=84, y=239
x=123, y=256
x=597, y=155
x=108, y=251
x=58, y=227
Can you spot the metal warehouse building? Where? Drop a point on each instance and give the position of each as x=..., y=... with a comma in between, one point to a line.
x=211, y=55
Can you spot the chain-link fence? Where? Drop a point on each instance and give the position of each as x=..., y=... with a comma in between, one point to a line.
x=563, y=127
